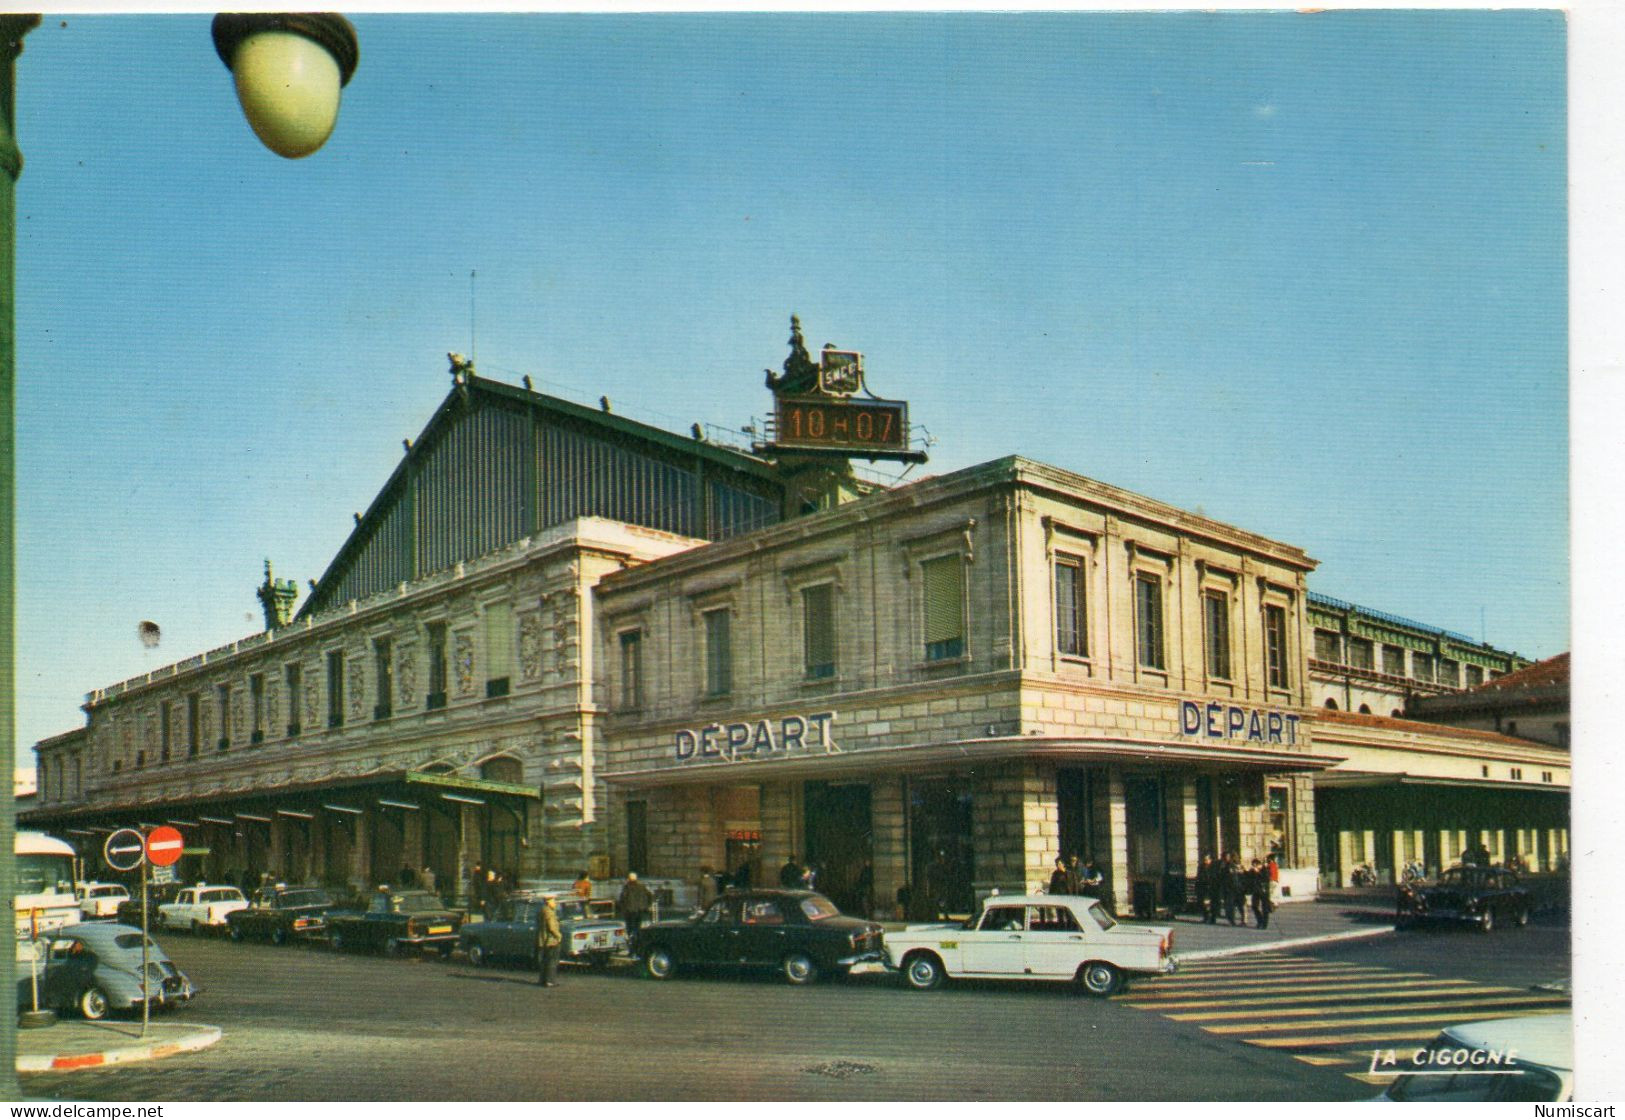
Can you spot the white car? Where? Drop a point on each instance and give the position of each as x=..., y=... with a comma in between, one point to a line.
x=1033, y=937
x=201, y=908
x=100, y=900
x=1525, y=1059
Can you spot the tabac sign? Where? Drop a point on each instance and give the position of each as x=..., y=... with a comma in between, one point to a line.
x=1228, y=721
x=824, y=408
x=760, y=738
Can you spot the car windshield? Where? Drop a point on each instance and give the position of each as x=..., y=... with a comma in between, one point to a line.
x=304, y=898
x=570, y=912
x=817, y=908
x=104, y=892
x=1101, y=915
x=226, y=894
x=1526, y=1083
x=133, y=941
x=42, y=874
x=416, y=902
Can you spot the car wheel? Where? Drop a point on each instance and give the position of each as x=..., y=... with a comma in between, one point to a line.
x=445, y=952
x=93, y=1004
x=1523, y=916
x=338, y=941
x=234, y=932
x=197, y=928
x=1100, y=979
x=476, y=954
x=279, y=936
x=799, y=968
x=392, y=948
x=659, y=963
x=923, y=971
x=1486, y=921
x=600, y=961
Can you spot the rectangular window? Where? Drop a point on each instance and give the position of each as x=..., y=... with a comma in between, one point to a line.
x=498, y=648
x=1148, y=621
x=1328, y=647
x=1517, y=773
x=193, y=705
x=1070, y=610
x=1361, y=654
x=637, y=837
x=335, y=688
x=383, y=651
x=943, y=580
x=166, y=729
x=436, y=697
x=222, y=695
x=719, y=654
x=1216, y=631
x=1393, y=661
x=256, y=704
x=1275, y=647
x=818, y=630
x=1449, y=672
x=1422, y=666
x=631, y=670
x=293, y=676
x=1475, y=676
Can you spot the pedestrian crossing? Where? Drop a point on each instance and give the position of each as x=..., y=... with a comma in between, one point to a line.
x=1326, y=1013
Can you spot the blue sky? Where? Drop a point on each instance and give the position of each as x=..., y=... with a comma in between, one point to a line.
x=1303, y=273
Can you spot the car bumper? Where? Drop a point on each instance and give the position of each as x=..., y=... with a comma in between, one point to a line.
x=427, y=939
x=858, y=962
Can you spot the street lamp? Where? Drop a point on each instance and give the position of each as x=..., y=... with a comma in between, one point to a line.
x=289, y=69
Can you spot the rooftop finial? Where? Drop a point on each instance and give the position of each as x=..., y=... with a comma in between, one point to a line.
x=800, y=371
x=461, y=368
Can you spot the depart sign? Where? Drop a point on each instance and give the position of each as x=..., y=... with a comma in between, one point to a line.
x=1227, y=721
x=757, y=737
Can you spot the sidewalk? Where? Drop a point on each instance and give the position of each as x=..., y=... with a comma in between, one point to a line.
x=76, y=1044
x=1293, y=924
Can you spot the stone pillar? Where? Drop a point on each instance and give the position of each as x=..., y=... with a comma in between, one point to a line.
x=890, y=813
x=1193, y=842
x=1040, y=823
x=779, y=839
x=1301, y=825
x=412, y=829
x=1116, y=815
x=316, y=872
x=361, y=851
x=1346, y=862
x=1447, y=848
x=277, y=859
x=998, y=831
x=468, y=845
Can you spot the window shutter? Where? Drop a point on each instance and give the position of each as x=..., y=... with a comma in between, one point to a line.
x=818, y=607
x=944, y=599
x=499, y=640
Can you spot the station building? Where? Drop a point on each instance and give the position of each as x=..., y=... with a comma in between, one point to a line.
x=559, y=638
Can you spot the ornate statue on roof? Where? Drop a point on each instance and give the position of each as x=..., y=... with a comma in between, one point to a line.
x=800, y=371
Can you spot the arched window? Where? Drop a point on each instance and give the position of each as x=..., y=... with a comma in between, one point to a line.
x=1331, y=705
x=502, y=769
x=1365, y=709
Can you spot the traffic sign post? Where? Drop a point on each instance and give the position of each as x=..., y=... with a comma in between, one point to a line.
x=125, y=850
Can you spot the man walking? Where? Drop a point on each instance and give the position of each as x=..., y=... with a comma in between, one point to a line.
x=634, y=905
x=1235, y=891
x=548, y=939
x=1207, y=889
x=1259, y=883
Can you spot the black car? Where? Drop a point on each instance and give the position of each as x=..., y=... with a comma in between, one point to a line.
x=282, y=914
x=1483, y=896
x=129, y=911
x=396, y=921
x=800, y=933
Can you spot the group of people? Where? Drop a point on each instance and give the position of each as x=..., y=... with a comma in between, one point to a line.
x=798, y=877
x=1229, y=885
x=634, y=905
x=1071, y=877
x=489, y=887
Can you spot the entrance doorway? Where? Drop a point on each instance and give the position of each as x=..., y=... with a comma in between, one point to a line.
x=840, y=842
x=1147, y=851
x=942, y=862
x=1073, y=812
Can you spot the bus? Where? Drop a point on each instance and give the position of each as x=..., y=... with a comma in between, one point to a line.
x=45, y=898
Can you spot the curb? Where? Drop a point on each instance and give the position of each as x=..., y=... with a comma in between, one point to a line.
x=202, y=1036
x=1290, y=943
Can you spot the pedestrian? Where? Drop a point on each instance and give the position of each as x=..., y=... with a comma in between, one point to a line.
x=809, y=878
x=548, y=939
x=633, y=905
x=790, y=873
x=1091, y=882
x=1060, y=877
x=1258, y=881
x=1235, y=897
x=404, y=877
x=1208, y=889
x=583, y=884
x=426, y=877
x=1074, y=875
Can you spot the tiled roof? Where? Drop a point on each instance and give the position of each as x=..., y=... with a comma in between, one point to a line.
x=1553, y=672
x=1420, y=727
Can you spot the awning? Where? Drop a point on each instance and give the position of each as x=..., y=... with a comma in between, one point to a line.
x=971, y=752
x=1369, y=780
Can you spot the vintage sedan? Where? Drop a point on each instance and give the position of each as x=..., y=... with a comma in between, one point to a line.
x=101, y=900
x=202, y=908
x=592, y=933
x=94, y=968
x=1033, y=937
x=129, y=911
x=281, y=914
x=1500, y=1060
x=1480, y=896
x=396, y=921
x=800, y=933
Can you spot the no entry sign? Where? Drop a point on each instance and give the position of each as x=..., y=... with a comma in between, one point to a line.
x=164, y=845
x=124, y=850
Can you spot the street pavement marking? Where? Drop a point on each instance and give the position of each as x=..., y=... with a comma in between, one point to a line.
x=1466, y=1003
x=1342, y=1039
x=1326, y=1060
x=1445, y=1016
x=1276, y=970
x=1432, y=991
x=1350, y=986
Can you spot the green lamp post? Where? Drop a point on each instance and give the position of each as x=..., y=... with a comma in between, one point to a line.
x=289, y=69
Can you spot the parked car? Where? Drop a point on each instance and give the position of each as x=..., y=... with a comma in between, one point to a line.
x=280, y=914
x=129, y=911
x=1507, y=1060
x=1033, y=937
x=101, y=900
x=201, y=908
x=396, y=921
x=1483, y=896
x=592, y=933
x=94, y=968
x=800, y=933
